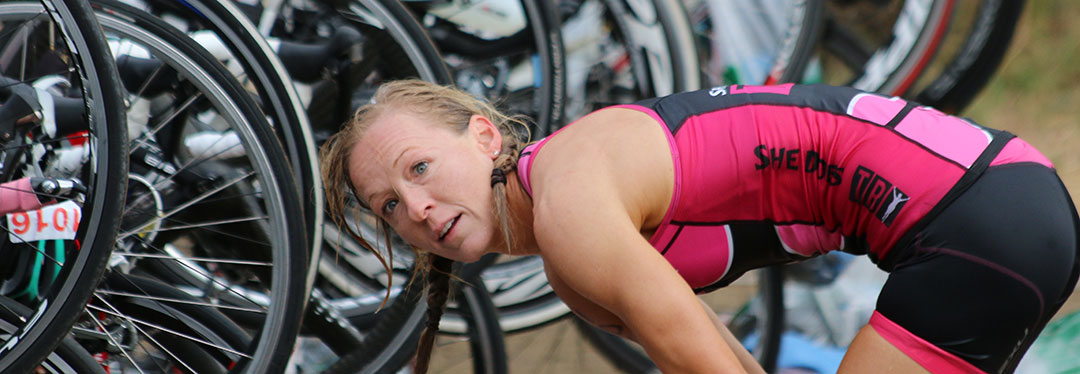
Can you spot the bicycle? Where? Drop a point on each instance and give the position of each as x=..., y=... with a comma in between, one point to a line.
x=55, y=56
x=198, y=139
x=896, y=62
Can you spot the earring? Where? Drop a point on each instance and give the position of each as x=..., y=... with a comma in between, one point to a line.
x=496, y=152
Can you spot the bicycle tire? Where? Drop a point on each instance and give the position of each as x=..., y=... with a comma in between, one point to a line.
x=894, y=66
x=58, y=307
x=170, y=308
x=980, y=55
x=795, y=63
x=68, y=358
x=790, y=44
x=673, y=67
x=422, y=52
x=519, y=289
x=687, y=74
x=541, y=45
x=272, y=173
x=278, y=98
x=548, y=37
x=391, y=344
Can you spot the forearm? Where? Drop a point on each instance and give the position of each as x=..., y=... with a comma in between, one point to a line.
x=675, y=348
x=679, y=336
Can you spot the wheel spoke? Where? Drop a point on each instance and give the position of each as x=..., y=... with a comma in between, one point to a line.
x=189, y=203
x=177, y=301
x=197, y=259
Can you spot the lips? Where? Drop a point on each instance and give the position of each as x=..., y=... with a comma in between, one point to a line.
x=448, y=227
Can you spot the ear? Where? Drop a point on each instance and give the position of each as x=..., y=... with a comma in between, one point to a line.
x=486, y=135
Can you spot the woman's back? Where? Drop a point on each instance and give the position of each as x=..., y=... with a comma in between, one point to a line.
x=817, y=167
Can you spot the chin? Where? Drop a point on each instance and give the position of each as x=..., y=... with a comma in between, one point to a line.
x=468, y=257
x=459, y=255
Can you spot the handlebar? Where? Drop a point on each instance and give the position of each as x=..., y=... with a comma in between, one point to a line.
x=452, y=40
x=305, y=62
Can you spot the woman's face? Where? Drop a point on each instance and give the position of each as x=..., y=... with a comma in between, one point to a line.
x=432, y=184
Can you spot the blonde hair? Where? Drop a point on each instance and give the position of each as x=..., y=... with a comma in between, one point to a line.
x=443, y=106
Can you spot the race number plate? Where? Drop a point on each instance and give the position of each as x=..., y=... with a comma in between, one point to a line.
x=58, y=221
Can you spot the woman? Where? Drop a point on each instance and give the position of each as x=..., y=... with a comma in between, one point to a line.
x=634, y=208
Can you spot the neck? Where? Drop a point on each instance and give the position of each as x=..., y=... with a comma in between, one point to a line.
x=520, y=206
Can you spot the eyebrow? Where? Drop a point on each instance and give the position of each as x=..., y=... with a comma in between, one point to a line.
x=371, y=197
x=400, y=155
x=367, y=199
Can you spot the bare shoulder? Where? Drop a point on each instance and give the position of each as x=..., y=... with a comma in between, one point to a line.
x=612, y=126
x=615, y=153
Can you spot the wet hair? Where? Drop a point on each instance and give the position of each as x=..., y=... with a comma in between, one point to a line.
x=442, y=106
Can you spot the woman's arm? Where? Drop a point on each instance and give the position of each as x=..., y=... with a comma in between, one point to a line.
x=605, y=320
x=596, y=187
x=588, y=310
x=747, y=360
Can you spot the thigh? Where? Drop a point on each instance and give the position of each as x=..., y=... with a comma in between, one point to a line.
x=869, y=352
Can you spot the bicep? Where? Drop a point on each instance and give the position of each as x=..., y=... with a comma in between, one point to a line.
x=587, y=310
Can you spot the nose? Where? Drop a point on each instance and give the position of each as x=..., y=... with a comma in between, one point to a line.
x=418, y=203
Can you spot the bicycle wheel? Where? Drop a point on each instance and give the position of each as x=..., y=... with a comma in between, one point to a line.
x=180, y=333
x=61, y=97
x=509, y=52
x=984, y=46
x=390, y=345
x=69, y=357
x=619, y=52
x=211, y=197
x=858, y=52
x=938, y=53
x=766, y=42
x=224, y=30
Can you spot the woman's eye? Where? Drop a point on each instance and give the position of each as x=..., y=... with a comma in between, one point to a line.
x=420, y=167
x=388, y=208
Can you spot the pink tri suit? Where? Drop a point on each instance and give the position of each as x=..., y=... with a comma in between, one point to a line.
x=767, y=175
